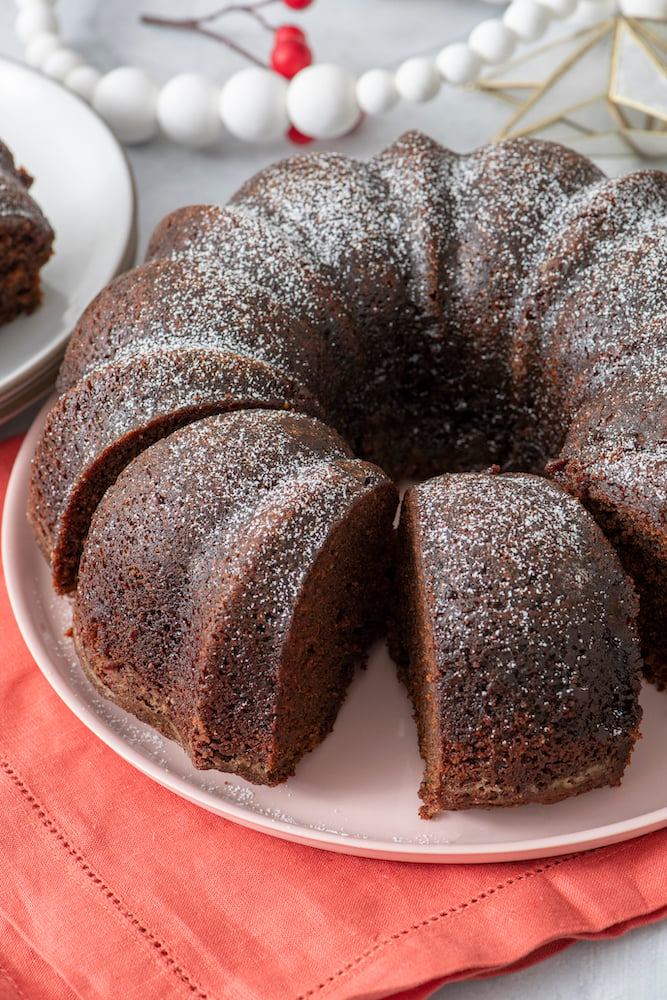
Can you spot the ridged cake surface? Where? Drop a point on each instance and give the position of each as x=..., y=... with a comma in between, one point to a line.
x=440, y=312
x=514, y=631
x=153, y=392
x=232, y=579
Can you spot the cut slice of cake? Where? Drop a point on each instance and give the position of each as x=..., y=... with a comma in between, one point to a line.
x=515, y=633
x=26, y=240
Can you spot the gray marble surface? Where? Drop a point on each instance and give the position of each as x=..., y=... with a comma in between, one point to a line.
x=359, y=36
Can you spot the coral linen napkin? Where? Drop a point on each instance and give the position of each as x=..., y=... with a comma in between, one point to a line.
x=114, y=887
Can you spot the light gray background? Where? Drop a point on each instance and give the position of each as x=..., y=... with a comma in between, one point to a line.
x=358, y=36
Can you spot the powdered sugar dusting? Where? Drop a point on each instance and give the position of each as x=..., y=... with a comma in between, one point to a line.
x=192, y=301
x=526, y=601
x=444, y=302
x=214, y=514
x=536, y=530
x=598, y=289
x=348, y=225
x=238, y=239
x=13, y=199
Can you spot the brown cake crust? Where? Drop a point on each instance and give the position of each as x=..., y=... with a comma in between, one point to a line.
x=613, y=460
x=26, y=239
x=169, y=303
x=514, y=627
x=153, y=393
x=473, y=226
x=597, y=296
x=243, y=242
x=197, y=611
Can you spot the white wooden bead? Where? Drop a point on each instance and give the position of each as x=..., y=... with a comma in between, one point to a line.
x=417, y=80
x=82, y=80
x=60, y=62
x=590, y=8
x=24, y=5
x=253, y=105
x=458, y=64
x=593, y=11
x=41, y=46
x=33, y=21
x=127, y=99
x=492, y=41
x=322, y=101
x=526, y=19
x=559, y=9
x=651, y=9
x=376, y=91
x=187, y=110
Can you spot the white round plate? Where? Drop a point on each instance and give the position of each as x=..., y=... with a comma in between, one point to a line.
x=84, y=186
x=357, y=793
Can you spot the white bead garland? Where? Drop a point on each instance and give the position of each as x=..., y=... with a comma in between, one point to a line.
x=187, y=110
x=417, y=80
x=644, y=8
x=492, y=41
x=253, y=105
x=527, y=19
x=22, y=4
x=376, y=91
x=82, y=81
x=322, y=101
x=458, y=64
x=34, y=19
x=127, y=99
x=60, y=63
x=560, y=9
x=41, y=46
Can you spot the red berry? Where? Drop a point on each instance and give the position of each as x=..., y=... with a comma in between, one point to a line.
x=288, y=33
x=289, y=57
x=297, y=4
x=297, y=137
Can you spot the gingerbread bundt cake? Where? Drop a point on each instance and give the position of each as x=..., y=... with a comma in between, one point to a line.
x=26, y=239
x=440, y=312
x=233, y=577
x=514, y=633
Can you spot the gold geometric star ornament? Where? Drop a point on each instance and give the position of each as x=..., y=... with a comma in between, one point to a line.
x=602, y=89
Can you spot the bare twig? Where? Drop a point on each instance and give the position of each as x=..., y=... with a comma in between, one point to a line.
x=195, y=25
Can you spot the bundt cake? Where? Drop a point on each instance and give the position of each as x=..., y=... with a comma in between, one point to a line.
x=26, y=240
x=233, y=576
x=514, y=633
x=439, y=312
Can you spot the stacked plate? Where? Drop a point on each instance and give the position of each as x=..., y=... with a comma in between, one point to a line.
x=84, y=186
